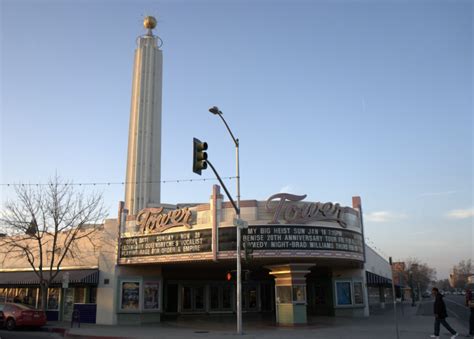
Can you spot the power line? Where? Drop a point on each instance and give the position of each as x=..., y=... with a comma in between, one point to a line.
x=116, y=183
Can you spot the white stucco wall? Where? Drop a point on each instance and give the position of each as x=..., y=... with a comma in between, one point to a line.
x=376, y=264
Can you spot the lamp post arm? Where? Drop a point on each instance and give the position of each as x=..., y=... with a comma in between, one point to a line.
x=225, y=188
x=236, y=141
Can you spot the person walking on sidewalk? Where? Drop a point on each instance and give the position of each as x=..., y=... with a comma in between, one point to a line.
x=470, y=304
x=440, y=315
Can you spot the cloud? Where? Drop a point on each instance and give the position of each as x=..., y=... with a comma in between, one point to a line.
x=383, y=216
x=461, y=213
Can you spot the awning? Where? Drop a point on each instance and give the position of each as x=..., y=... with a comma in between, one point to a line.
x=375, y=279
x=76, y=277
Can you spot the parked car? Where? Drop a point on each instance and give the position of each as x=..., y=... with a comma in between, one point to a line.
x=16, y=315
x=426, y=294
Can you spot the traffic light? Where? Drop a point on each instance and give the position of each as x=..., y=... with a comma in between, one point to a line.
x=230, y=276
x=199, y=156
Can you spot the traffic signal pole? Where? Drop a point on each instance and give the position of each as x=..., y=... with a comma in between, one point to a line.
x=239, y=240
x=215, y=110
x=236, y=208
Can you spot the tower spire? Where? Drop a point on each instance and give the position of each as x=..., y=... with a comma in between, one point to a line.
x=150, y=23
x=144, y=140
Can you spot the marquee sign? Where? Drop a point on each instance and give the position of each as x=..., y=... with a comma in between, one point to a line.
x=165, y=244
x=256, y=237
x=293, y=237
x=153, y=220
x=285, y=208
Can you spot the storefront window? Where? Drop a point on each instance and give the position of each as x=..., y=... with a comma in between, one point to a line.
x=130, y=296
x=3, y=294
x=79, y=295
x=10, y=294
x=53, y=299
x=358, y=293
x=30, y=297
x=151, y=295
x=343, y=293
x=93, y=295
x=299, y=294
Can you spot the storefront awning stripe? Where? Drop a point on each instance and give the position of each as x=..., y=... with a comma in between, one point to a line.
x=377, y=280
x=86, y=277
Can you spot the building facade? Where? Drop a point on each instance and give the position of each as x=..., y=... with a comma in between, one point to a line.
x=300, y=259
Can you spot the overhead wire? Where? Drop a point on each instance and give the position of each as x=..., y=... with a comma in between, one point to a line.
x=109, y=183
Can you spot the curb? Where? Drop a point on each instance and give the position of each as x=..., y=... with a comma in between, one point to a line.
x=83, y=336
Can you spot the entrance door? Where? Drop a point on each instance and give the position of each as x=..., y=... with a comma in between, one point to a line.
x=320, y=297
x=267, y=296
x=171, y=298
x=250, y=297
x=220, y=297
x=193, y=298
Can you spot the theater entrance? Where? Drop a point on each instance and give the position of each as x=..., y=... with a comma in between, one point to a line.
x=213, y=297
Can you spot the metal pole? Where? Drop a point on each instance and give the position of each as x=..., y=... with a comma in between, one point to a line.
x=239, y=236
x=239, y=231
x=394, y=297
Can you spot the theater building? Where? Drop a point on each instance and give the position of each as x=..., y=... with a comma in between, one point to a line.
x=300, y=259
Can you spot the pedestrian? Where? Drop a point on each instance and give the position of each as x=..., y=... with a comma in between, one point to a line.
x=440, y=315
x=470, y=304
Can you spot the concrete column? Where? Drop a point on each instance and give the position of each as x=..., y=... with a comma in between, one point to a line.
x=215, y=210
x=290, y=292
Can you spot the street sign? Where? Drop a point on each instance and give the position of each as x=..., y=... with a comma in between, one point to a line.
x=240, y=223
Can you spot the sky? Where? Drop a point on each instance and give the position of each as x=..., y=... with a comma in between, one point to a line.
x=332, y=99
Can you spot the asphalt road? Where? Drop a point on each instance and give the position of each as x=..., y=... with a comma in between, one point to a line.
x=27, y=334
x=455, y=305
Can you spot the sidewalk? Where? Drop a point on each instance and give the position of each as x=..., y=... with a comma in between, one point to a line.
x=379, y=326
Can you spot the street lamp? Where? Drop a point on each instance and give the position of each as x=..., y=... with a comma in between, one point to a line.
x=215, y=110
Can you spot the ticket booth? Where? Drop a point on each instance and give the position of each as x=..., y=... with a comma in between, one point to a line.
x=290, y=292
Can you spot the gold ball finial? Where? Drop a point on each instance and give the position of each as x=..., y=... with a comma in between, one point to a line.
x=149, y=22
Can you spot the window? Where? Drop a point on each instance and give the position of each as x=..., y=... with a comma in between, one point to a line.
x=299, y=294
x=358, y=293
x=349, y=293
x=79, y=295
x=53, y=299
x=3, y=294
x=93, y=295
x=343, y=293
x=130, y=296
x=283, y=294
x=214, y=295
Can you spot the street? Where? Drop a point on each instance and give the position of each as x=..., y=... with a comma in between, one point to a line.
x=455, y=306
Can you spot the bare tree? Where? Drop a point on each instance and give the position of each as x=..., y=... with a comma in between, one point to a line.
x=443, y=284
x=461, y=271
x=45, y=225
x=418, y=275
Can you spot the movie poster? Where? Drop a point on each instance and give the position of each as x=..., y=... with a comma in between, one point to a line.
x=130, y=296
x=151, y=295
